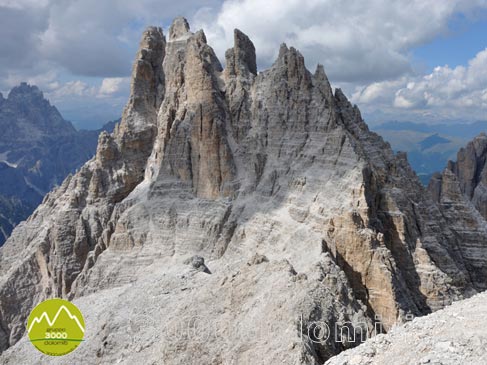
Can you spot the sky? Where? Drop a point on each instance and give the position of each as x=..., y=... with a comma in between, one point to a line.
x=416, y=60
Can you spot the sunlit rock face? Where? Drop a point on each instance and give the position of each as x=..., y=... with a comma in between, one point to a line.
x=300, y=214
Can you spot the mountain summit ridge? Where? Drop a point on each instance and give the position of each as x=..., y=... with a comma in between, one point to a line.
x=34, y=115
x=302, y=214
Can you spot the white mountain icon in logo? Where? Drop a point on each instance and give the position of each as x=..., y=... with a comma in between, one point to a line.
x=45, y=316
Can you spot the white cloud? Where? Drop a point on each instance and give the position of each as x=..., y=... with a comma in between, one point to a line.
x=88, y=105
x=42, y=80
x=22, y=4
x=113, y=85
x=357, y=41
x=81, y=51
x=459, y=92
x=87, y=38
x=80, y=43
x=75, y=88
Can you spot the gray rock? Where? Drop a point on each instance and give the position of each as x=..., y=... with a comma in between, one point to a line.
x=241, y=58
x=223, y=164
x=439, y=338
x=179, y=28
x=198, y=263
x=257, y=259
x=461, y=193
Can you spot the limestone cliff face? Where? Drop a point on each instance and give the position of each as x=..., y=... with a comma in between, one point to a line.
x=301, y=213
x=471, y=168
x=460, y=192
x=470, y=171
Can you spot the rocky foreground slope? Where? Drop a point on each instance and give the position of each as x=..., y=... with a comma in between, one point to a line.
x=301, y=214
x=452, y=336
x=38, y=149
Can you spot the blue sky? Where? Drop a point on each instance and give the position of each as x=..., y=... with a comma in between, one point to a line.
x=418, y=60
x=463, y=39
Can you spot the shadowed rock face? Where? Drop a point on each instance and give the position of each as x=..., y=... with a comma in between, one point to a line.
x=298, y=211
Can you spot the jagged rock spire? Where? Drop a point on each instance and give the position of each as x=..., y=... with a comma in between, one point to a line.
x=230, y=165
x=468, y=175
x=147, y=83
x=290, y=63
x=192, y=144
x=241, y=59
x=179, y=28
x=323, y=83
x=471, y=168
x=461, y=194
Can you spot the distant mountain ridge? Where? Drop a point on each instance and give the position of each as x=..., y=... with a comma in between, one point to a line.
x=38, y=149
x=458, y=129
x=432, y=141
x=429, y=146
x=27, y=116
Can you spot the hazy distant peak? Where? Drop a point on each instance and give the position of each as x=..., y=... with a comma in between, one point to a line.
x=432, y=141
x=25, y=90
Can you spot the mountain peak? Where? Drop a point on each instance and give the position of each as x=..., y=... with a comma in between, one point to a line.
x=24, y=90
x=179, y=28
x=480, y=142
x=277, y=183
x=245, y=51
x=27, y=116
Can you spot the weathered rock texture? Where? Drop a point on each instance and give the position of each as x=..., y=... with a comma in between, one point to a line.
x=461, y=192
x=470, y=172
x=300, y=213
x=38, y=149
x=455, y=335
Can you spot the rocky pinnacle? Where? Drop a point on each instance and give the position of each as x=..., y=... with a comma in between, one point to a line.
x=272, y=180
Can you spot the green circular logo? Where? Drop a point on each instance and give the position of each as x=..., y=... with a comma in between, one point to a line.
x=56, y=327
